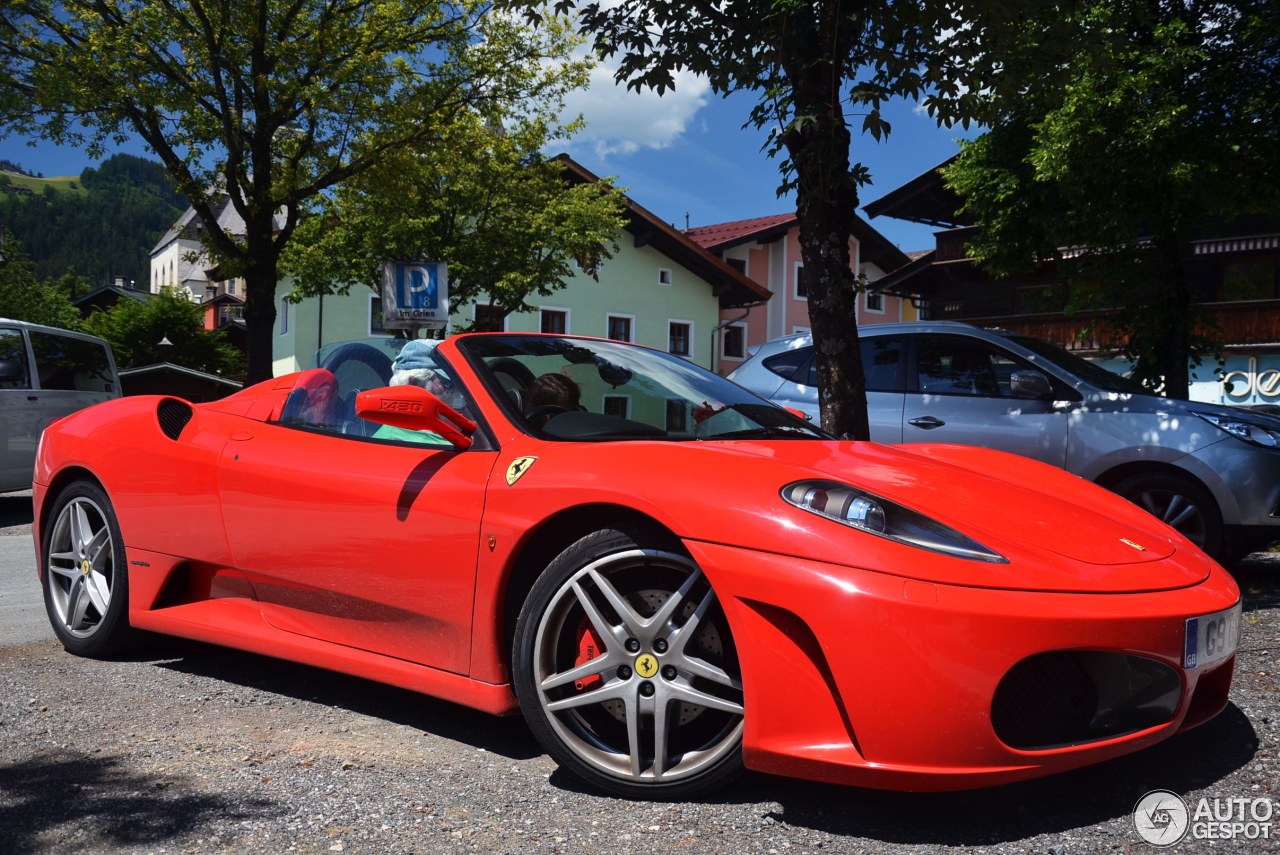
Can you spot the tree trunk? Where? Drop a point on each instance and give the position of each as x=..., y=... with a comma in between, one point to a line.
x=1179, y=311
x=826, y=203
x=260, y=279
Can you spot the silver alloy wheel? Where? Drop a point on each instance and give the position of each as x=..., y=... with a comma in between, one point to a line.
x=81, y=568
x=662, y=700
x=1175, y=509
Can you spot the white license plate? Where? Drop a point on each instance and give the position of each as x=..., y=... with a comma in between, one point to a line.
x=1211, y=638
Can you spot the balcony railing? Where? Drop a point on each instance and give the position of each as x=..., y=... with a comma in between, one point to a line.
x=1251, y=323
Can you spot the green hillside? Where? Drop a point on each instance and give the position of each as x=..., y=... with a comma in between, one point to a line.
x=100, y=224
x=14, y=181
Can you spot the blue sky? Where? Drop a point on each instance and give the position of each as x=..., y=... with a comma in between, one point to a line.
x=713, y=170
x=685, y=153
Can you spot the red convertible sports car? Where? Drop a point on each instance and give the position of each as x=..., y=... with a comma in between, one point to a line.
x=668, y=576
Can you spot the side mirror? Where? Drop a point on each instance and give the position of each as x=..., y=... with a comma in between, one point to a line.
x=1029, y=384
x=414, y=408
x=800, y=414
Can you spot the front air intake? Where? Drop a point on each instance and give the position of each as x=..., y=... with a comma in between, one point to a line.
x=173, y=416
x=1071, y=697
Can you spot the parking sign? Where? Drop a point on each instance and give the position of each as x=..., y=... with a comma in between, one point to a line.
x=415, y=295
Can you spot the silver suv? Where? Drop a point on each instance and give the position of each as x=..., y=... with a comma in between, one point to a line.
x=1212, y=472
x=45, y=374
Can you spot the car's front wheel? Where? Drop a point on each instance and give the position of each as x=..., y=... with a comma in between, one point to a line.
x=626, y=670
x=86, y=586
x=1186, y=506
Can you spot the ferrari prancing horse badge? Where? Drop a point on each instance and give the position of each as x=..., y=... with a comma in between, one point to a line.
x=518, y=467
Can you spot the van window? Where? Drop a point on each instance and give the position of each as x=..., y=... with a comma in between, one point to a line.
x=72, y=364
x=13, y=361
x=962, y=365
x=880, y=357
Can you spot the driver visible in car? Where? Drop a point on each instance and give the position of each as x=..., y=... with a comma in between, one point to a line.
x=550, y=395
x=413, y=367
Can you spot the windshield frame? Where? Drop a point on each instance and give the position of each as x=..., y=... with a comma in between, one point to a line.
x=690, y=393
x=1077, y=367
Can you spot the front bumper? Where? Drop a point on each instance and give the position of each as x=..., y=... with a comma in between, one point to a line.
x=871, y=679
x=1246, y=483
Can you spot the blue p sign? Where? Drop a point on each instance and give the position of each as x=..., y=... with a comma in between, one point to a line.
x=416, y=287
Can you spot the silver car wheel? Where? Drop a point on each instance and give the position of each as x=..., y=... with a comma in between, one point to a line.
x=1176, y=510
x=660, y=700
x=80, y=573
x=1181, y=503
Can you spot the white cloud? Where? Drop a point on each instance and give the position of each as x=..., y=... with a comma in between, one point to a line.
x=622, y=121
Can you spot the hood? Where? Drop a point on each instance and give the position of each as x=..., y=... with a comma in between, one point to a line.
x=1058, y=532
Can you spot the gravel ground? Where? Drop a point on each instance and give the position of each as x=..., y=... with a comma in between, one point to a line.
x=190, y=748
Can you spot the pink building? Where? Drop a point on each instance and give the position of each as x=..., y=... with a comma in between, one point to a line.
x=767, y=250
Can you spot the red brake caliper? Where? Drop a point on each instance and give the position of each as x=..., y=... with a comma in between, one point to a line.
x=589, y=647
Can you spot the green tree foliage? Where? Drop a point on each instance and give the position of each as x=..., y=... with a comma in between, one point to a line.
x=104, y=230
x=1153, y=123
x=481, y=198
x=136, y=328
x=269, y=102
x=23, y=297
x=815, y=66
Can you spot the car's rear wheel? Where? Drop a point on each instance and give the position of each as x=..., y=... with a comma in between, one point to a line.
x=86, y=586
x=626, y=670
x=1179, y=502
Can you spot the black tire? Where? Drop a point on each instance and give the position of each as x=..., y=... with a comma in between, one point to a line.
x=658, y=653
x=85, y=580
x=1181, y=503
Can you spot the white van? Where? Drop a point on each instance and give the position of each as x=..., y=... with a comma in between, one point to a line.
x=45, y=373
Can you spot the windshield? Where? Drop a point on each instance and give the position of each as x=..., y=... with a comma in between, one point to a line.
x=1090, y=372
x=586, y=389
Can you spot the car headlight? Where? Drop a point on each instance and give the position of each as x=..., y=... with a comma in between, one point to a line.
x=1252, y=432
x=883, y=518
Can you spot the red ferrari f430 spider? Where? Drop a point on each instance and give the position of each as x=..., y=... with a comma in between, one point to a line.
x=669, y=577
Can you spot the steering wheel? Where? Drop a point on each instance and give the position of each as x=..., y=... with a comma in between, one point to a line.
x=513, y=368
x=539, y=416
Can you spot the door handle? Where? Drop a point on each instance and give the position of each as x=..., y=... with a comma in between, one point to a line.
x=927, y=422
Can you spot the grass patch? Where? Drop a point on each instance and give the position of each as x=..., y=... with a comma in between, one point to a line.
x=62, y=184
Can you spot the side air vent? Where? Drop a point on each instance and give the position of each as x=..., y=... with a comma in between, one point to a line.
x=173, y=417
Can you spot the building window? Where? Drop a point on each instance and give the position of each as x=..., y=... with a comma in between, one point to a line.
x=679, y=337
x=677, y=415
x=738, y=264
x=620, y=327
x=875, y=302
x=375, y=316
x=664, y=276
x=489, y=318
x=1250, y=279
x=733, y=342
x=284, y=316
x=618, y=406
x=802, y=290
x=1033, y=300
x=555, y=321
